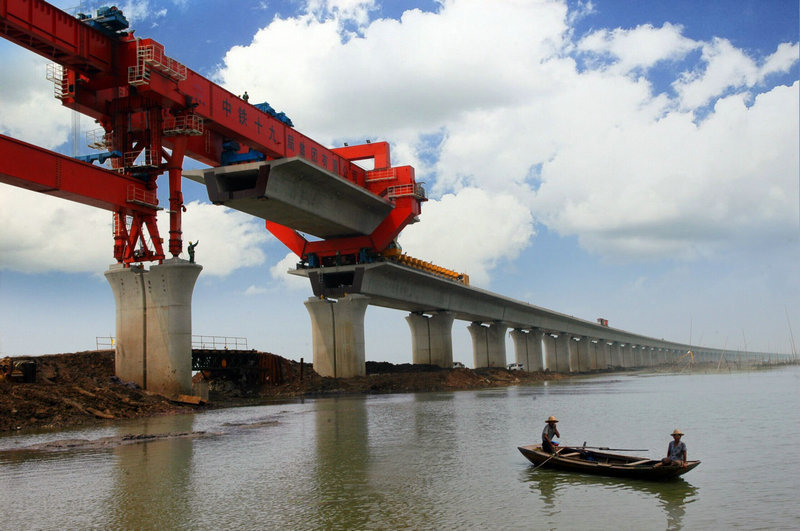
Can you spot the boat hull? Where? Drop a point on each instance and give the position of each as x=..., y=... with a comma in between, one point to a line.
x=604, y=464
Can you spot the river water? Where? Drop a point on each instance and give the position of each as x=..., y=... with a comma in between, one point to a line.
x=445, y=460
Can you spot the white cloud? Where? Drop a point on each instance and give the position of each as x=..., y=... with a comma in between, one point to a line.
x=138, y=10
x=592, y=153
x=228, y=240
x=640, y=47
x=725, y=67
x=253, y=290
x=28, y=109
x=471, y=232
x=280, y=274
x=42, y=233
x=343, y=11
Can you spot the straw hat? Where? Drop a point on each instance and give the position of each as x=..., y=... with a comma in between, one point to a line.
x=552, y=419
x=676, y=431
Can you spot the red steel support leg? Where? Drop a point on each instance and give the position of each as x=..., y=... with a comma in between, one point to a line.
x=176, y=208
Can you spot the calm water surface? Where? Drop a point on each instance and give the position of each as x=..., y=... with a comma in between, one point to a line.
x=431, y=461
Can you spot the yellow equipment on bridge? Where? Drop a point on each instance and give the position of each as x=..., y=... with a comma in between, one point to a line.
x=429, y=267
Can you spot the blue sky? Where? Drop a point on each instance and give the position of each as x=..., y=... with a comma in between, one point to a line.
x=631, y=160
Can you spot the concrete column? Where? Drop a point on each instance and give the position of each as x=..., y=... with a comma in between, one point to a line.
x=154, y=324
x=603, y=355
x=480, y=352
x=534, y=341
x=627, y=355
x=574, y=361
x=549, y=345
x=337, y=334
x=496, y=342
x=528, y=348
x=636, y=355
x=431, y=339
x=488, y=344
x=563, y=348
x=520, y=338
x=420, y=338
x=586, y=359
x=616, y=354
x=644, y=356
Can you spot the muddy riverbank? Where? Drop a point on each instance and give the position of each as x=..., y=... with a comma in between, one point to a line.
x=80, y=388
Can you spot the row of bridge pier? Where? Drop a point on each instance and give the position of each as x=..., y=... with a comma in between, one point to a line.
x=154, y=328
x=338, y=332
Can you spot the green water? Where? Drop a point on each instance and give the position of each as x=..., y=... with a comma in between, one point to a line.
x=430, y=461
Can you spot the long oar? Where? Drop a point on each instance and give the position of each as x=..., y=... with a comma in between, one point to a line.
x=540, y=465
x=607, y=448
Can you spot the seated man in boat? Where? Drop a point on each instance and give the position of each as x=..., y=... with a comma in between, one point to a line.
x=549, y=431
x=676, y=451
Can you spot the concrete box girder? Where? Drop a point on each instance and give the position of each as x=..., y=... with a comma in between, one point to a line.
x=296, y=194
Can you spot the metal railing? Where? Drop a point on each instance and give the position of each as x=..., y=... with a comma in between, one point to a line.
x=219, y=343
x=105, y=342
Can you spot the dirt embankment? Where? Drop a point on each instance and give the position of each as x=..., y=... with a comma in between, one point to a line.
x=77, y=389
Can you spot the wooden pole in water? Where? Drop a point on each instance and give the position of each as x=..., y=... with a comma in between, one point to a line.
x=791, y=334
x=723, y=354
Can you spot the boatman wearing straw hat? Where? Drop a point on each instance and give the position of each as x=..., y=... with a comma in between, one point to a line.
x=548, y=432
x=676, y=451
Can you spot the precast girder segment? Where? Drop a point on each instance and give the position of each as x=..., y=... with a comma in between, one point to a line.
x=296, y=194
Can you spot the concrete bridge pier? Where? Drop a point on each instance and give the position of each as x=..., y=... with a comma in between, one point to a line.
x=606, y=355
x=649, y=356
x=615, y=351
x=586, y=358
x=431, y=339
x=646, y=356
x=627, y=355
x=637, y=355
x=154, y=324
x=549, y=346
x=563, y=352
x=488, y=344
x=528, y=348
x=337, y=335
x=574, y=360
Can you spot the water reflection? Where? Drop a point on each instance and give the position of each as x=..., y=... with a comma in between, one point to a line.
x=673, y=497
x=151, y=485
x=342, y=489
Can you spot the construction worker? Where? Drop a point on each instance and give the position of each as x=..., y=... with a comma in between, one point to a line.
x=548, y=432
x=191, y=250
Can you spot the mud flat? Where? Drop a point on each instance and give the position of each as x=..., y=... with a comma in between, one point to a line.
x=80, y=388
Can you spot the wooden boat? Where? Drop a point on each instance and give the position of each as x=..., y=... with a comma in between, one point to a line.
x=604, y=464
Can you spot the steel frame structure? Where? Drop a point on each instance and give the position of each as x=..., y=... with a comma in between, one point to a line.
x=155, y=112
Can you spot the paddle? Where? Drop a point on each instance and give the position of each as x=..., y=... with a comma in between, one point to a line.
x=540, y=465
x=607, y=448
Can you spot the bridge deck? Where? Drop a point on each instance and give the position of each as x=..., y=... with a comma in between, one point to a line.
x=404, y=288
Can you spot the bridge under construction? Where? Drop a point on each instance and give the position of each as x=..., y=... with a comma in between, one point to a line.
x=341, y=220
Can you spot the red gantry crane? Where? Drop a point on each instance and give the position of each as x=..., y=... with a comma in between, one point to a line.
x=154, y=112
